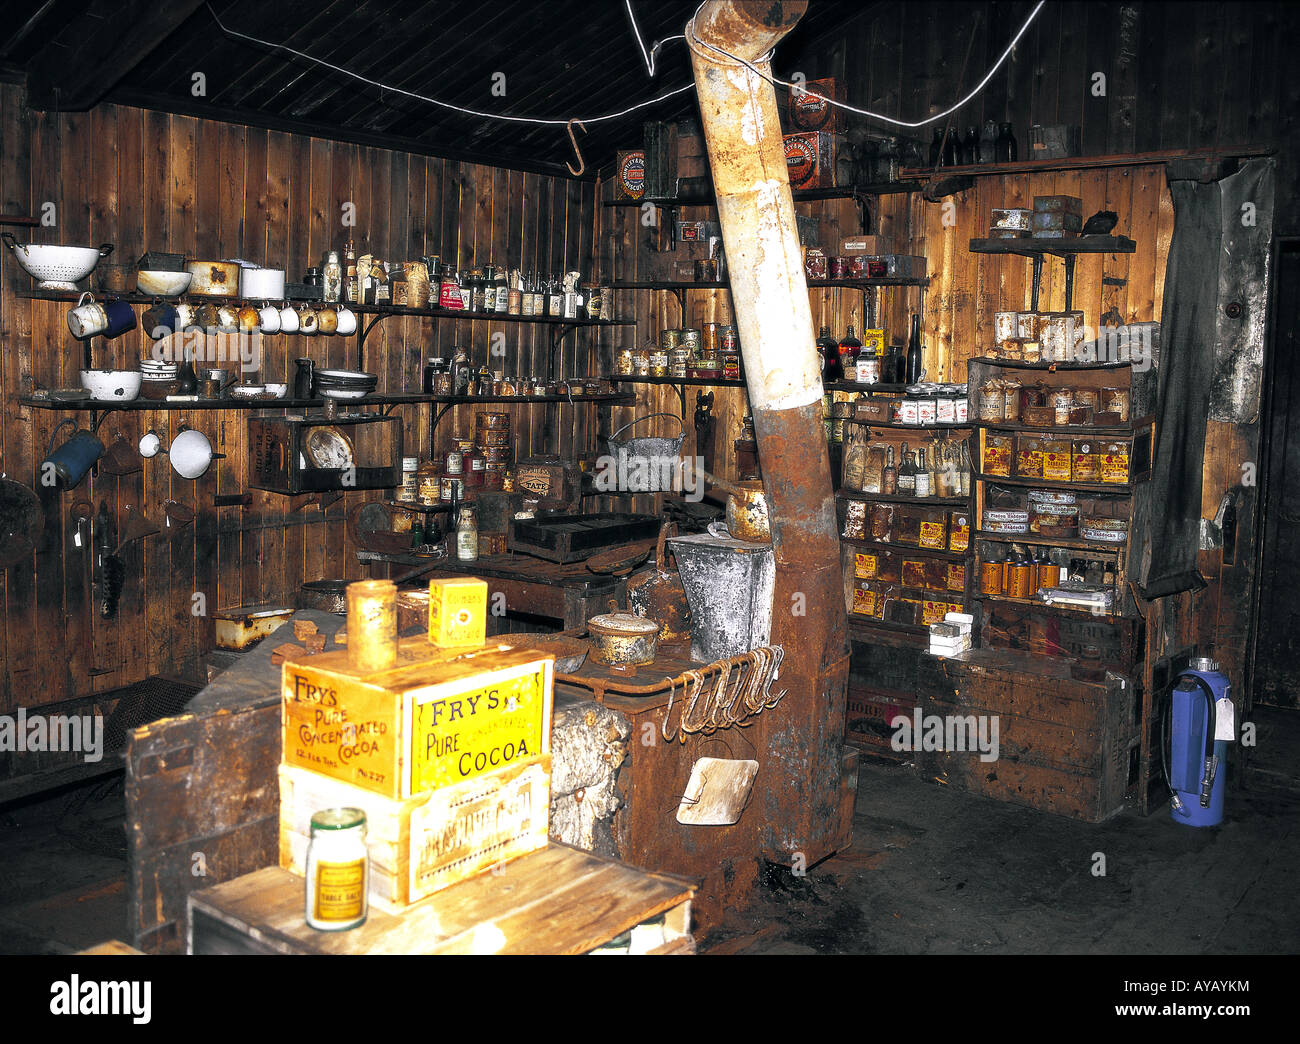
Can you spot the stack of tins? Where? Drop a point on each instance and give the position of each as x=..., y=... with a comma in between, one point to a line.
x=443, y=743
x=492, y=437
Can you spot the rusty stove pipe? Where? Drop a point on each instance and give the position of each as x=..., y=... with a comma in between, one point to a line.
x=802, y=738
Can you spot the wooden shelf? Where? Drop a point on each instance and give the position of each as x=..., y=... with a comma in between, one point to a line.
x=1046, y=166
x=900, y=426
x=1120, y=488
x=359, y=309
x=800, y=195
x=890, y=498
x=853, y=284
x=1039, y=604
x=1039, y=540
x=96, y=405
x=722, y=382
x=1067, y=430
x=857, y=621
x=1018, y=364
x=907, y=549
x=1027, y=246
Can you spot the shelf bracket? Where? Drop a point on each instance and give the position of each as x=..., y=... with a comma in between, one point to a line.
x=433, y=427
x=1069, y=283
x=558, y=333
x=1038, y=280
x=363, y=330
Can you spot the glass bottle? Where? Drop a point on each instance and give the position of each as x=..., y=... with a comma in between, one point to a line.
x=1005, y=148
x=501, y=292
x=461, y=371
x=850, y=347
x=906, y=472
x=187, y=381
x=829, y=351
x=466, y=536
x=894, y=369
x=950, y=148
x=963, y=469
x=922, y=475
x=351, y=287
x=914, y=353
x=480, y=280
x=889, y=477
x=554, y=298
x=971, y=146
x=338, y=870
x=988, y=142
x=936, y=148
x=332, y=277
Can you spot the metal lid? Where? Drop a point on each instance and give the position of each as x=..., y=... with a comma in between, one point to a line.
x=1203, y=663
x=338, y=819
x=622, y=623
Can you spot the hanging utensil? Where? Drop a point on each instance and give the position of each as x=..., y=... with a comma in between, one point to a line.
x=137, y=528
x=120, y=458
x=110, y=572
x=21, y=521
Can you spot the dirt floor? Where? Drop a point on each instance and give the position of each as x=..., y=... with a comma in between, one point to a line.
x=931, y=870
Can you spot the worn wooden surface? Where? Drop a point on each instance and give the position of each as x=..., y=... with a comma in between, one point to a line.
x=555, y=901
x=146, y=180
x=1065, y=745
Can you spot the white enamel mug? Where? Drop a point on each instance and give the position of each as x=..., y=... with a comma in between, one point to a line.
x=288, y=319
x=347, y=322
x=268, y=319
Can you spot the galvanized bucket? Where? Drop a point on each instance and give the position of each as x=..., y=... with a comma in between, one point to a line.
x=649, y=461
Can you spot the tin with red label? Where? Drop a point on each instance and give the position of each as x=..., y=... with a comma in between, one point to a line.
x=809, y=160
x=840, y=267
x=730, y=366
x=631, y=173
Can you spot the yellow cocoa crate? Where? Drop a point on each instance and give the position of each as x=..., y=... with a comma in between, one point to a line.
x=436, y=718
x=421, y=845
x=457, y=612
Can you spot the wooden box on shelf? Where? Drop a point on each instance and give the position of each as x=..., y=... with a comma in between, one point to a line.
x=300, y=454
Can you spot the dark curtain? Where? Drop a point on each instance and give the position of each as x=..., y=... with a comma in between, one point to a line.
x=1210, y=250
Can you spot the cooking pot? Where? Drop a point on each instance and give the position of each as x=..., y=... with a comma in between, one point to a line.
x=658, y=595
x=74, y=458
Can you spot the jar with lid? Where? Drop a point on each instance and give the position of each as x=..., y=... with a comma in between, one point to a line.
x=624, y=362
x=926, y=405
x=432, y=368
x=410, y=479
x=427, y=483
x=473, y=462
x=332, y=277
x=461, y=371
x=658, y=363
x=592, y=293
x=338, y=870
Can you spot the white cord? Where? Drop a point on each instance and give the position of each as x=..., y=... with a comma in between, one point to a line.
x=648, y=56
x=443, y=104
x=690, y=27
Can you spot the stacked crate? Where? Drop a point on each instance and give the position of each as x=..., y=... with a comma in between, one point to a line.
x=447, y=750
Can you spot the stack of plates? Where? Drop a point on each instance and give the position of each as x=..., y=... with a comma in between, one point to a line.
x=344, y=384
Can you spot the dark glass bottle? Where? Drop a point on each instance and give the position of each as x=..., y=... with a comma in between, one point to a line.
x=950, y=149
x=913, y=374
x=187, y=381
x=894, y=370
x=936, y=148
x=850, y=348
x=829, y=351
x=906, y=481
x=971, y=146
x=1005, y=147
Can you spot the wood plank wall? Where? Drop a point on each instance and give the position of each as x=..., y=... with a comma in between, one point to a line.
x=147, y=180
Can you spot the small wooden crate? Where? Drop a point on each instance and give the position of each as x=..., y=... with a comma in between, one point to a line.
x=437, y=718
x=281, y=463
x=421, y=845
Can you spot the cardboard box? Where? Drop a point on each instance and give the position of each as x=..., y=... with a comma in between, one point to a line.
x=863, y=245
x=421, y=845
x=808, y=109
x=434, y=719
x=457, y=612
x=810, y=159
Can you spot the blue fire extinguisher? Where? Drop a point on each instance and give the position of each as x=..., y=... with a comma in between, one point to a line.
x=1194, y=765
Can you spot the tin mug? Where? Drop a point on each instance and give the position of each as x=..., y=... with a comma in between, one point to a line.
x=185, y=316
x=74, y=458
x=308, y=321
x=347, y=322
x=288, y=319
x=160, y=320
x=87, y=318
x=269, y=319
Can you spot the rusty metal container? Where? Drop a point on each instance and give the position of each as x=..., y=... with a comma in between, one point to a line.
x=729, y=585
x=657, y=594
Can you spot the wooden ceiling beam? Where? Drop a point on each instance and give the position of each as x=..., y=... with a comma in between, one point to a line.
x=91, y=55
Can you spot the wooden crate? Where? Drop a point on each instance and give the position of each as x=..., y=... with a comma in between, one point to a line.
x=421, y=845
x=1066, y=745
x=280, y=462
x=436, y=718
x=571, y=538
x=556, y=901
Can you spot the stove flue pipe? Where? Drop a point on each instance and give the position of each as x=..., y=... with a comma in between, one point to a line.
x=801, y=739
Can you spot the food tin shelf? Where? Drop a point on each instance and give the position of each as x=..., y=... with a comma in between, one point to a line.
x=1035, y=248
x=900, y=426
x=1038, y=603
x=1039, y=540
x=1066, y=430
x=1019, y=364
x=852, y=284
x=1080, y=487
x=907, y=549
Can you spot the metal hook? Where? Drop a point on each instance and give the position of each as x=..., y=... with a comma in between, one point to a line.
x=582, y=163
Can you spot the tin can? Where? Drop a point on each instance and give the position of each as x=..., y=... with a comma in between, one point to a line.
x=868, y=369
x=1006, y=326
x=641, y=362
x=991, y=577
x=961, y=409
x=710, y=339
x=909, y=411
x=926, y=410
x=839, y=267
x=730, y=341
x=1019, y=580
x=372, y=624
x=814, y=264
x=670, y=339
x=691, y=341
x=730, y=366
x=945, y=408
x=678, y=360
x=455, y=463
x=659, y=363
x=624, y=362
x=451, y=488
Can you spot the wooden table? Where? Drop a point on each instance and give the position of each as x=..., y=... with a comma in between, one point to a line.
x=569, y=593
x=555, y=901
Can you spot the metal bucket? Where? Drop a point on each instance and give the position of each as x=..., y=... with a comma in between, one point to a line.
x=729, y=585
x=649, y=463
